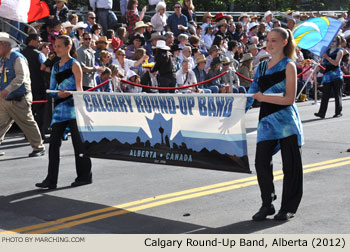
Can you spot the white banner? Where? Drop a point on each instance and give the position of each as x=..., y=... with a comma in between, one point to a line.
x=193, y=130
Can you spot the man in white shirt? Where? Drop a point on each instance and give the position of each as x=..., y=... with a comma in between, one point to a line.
x=185, y=76
x=105, y=16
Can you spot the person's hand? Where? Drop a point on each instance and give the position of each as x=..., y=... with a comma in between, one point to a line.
x=64, y=94
x=324, y=56
x=100, y=69
x=258, y=96
x=181, y=27
x=145, y=57
x=144, y=9
x=3, y=94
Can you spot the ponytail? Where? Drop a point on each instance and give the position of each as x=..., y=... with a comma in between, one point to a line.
x=289, y=49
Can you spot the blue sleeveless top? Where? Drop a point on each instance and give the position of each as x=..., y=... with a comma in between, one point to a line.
x=335, y=73
x=275, y=121
x=64, y=111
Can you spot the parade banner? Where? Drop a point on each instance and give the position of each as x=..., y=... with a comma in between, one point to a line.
x=192, y=130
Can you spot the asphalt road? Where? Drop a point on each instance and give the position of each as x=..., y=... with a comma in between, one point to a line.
x=130, y=198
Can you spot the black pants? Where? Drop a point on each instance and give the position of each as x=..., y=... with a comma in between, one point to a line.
x=82, y=164
x=292, y=170
x=336, y=86
x=166, y=81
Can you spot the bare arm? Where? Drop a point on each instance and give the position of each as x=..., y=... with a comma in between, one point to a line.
x=77, y=71
x=337, y=60
x=291, y=87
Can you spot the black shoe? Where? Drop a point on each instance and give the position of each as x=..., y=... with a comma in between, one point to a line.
x=283, y=215
x=46, y=184
x=37, y=153
x=319, y=115
x=80, y=183
x=338, y=115
x=263, y=212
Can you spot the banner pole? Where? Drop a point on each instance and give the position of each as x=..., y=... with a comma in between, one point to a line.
x=308, y=79
x=315, y=88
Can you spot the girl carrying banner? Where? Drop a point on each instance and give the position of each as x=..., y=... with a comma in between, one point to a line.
x=66, y=76
x=279, y=126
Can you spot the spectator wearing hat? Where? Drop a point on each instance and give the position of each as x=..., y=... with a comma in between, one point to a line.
x=140, y=27
x=177, y=22
x=216, y=85
x=207, y=18
x=176, y=51
x=185, y=76
x=135, y=78
x=200, y=73
x=208, y=37
x=246, y=69
x=16, y=95
x=133, y=17
x=101, y=44
x=91, y=20
x=253, y=29
x=151, y=46
x=59, y=11
x=268, y=16
x=244, y=20
x=68, y=29
x=159, y=19
x=222, y=28
x=148, y=32
x=137, y=41
x=231, y=79
x=78, y=33
x=165, y=66
x=219, y=16
x=105, y=16
x=213, y=52
x=126, y=64
x=37, y=26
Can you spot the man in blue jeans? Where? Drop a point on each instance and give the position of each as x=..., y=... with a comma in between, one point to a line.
x=105, y=16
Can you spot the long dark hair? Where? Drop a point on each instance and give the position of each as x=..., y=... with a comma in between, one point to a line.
x=217, y=40
x=161, y=55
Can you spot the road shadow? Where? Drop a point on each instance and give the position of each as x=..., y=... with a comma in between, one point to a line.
x=39, y=207
x=7, y=147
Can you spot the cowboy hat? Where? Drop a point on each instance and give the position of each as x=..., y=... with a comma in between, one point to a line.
x=140, y=24
x=207, y=15
x=161, y=45
x=201, y=58
x=80, y=25
x=226, y=61
x=5, y=37
x=221, y=23
x=296, y=13
x=67, y=24
x=120, y=51
x=267, y=13
x=156, y=36
x=252, y=25
x=252, y=47
x=216, y=60
x=246, y=56
x=263, y=55
x=243, y=15
x=102, y=39
x=253, y=17
x=36, y=24
x=219, y=15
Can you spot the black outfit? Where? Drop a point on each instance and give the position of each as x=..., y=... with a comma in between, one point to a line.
x=191, y=18
x=62, y=16
x=336, y=85
x=82, y=164
x=38, y=85
x=166, y=71
x=237, y=36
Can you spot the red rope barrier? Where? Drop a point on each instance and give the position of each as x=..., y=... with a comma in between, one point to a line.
x=307, y=69
x=172, y=88
x=43, y=101
x=98, y=86
x=244, y=77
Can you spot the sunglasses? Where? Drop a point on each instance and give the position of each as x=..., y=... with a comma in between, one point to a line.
x=92, y=18
x=177, y=7
x=123, y=55
x=87, y=38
